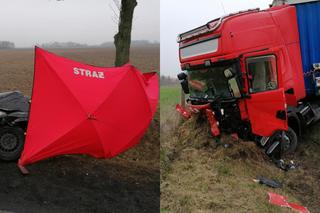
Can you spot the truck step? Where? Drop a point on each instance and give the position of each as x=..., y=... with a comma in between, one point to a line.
x=311, y=113
x=272, y=147
x=264, y=141
x=308, y=114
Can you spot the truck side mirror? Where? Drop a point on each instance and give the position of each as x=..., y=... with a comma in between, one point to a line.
x=185, y=86
x=182, y=76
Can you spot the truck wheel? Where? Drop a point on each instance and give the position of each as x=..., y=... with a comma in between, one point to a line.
x=290, y=141
x=275, y=147
x=11, y=143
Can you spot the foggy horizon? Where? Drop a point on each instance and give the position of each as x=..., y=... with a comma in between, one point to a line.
x=30, y=23
x=100, y=45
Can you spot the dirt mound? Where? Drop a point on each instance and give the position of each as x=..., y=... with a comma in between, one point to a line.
x=195, y=133
x=241, y=150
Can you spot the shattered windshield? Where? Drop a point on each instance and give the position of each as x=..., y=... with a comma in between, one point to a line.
x=210, y=83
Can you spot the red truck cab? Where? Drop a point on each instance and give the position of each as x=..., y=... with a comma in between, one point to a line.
x=248, y=67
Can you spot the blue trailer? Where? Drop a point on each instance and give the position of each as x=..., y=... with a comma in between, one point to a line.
x=308, y=18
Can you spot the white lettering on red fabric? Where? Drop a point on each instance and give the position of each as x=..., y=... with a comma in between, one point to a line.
x=88, y=73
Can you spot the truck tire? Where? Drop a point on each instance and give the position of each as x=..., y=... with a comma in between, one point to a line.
x=291, y=145
x=11, y=143
x=276, y=147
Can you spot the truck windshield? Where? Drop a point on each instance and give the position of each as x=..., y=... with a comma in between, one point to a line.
x=211, y=83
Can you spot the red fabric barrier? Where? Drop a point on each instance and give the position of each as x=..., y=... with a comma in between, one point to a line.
x=82, y=109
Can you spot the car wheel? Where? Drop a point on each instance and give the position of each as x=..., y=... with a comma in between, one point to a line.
x=11, y=143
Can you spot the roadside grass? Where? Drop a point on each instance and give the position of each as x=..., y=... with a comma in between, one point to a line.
x=169, y=96
x=199, y=175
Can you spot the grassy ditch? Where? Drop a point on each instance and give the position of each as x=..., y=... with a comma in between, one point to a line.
x=198, y=174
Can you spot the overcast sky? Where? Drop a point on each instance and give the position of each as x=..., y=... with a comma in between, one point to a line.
x=182, y=15
x=27, y=22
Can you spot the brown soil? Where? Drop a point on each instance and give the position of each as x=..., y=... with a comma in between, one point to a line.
x=80, y=184
x=127, y=183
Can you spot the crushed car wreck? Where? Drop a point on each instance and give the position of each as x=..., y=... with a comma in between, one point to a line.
x=14, y=113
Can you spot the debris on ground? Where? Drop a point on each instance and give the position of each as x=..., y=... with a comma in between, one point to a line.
x=291, y=165
x=282, y=201
x=235, y=137
x=268, y=182
x=281, y=164
x=227, y=145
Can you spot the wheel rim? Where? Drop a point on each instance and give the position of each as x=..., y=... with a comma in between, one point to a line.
x=8, y=142
x=286, y=142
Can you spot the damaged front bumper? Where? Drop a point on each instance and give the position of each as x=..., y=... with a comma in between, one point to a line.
x=194, y=109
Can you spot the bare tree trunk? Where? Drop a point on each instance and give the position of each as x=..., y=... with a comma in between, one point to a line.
x=122, y=39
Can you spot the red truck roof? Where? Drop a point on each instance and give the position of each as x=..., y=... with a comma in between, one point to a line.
x=252, y=31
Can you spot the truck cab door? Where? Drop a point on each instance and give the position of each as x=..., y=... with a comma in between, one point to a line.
x=266, y=104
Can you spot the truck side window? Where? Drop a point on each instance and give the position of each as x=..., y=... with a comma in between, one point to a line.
x=262, y=72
